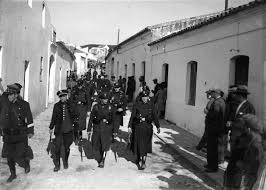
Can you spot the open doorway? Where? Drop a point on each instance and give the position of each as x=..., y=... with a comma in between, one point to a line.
x=26, y=80
x=125, y=72
x=165, y=71
x=143, y=69
x=239, y=69
x=51, y=83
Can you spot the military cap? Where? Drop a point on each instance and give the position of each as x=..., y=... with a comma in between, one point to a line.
x=145, y=93
x=116, y=85
x=12, y=89
x=241, y=89
x=104, y=95
x=61, y=93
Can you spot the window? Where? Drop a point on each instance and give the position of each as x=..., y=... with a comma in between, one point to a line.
x=117, y=69
x=133, y=69
x=30, y=3
x=43, y=15
x=191, y=83
x=54, y=36
x=112, y=67
x=41, y=68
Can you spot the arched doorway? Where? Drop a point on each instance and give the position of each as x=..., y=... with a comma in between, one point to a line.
x=143, y=69
x=125, y=72
x=51, y=83
x=26, y=80
x=239, y=69
x=133, y=69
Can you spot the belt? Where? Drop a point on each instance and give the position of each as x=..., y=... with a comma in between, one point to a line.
x=15, y=131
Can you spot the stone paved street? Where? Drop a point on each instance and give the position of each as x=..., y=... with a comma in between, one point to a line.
x=163, y=168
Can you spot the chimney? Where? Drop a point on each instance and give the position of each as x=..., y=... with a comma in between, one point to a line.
x=226, y=5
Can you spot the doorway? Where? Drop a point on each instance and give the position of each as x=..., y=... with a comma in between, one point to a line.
x=26, y=80
x=51, y=83
x=125, y=72
x=239, y=69
x=133, y=69
x=143, y=69
x=165, y=71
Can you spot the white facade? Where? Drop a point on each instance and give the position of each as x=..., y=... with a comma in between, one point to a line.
x=213, y=48
x=130, y=59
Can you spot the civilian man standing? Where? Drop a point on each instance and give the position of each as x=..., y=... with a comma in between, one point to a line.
x=215, y=128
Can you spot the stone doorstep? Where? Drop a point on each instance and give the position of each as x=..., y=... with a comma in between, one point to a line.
x=195, y=159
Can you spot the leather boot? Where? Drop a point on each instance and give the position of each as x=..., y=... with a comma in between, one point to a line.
x=27, y=166
x=12, y=176
x=57, y=166
x=65, y=163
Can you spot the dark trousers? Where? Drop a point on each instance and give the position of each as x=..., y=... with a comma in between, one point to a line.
x=16, y=152
x=203, y=140
x=212, y=151
x=64, y=140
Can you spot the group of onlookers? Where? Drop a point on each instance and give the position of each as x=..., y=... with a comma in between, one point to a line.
x=233, y=133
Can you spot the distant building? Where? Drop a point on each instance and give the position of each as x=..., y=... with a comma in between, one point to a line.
x=26, y=35
x=216, y=51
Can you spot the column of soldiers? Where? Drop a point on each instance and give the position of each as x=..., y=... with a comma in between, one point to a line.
x=233, y=132
x=104, y=102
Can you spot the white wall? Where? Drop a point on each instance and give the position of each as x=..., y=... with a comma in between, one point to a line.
x=211, y=46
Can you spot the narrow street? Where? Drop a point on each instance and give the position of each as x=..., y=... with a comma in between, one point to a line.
x=163, y=168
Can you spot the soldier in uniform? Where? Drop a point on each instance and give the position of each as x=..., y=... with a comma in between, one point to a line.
x=62, y=121
x=102, y=122
x=119, y=102
x=140, y=125
x=18, y=128
x=81, y=101
x=215, y=127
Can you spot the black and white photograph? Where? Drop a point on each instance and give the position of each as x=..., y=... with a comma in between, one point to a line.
x=133, y=94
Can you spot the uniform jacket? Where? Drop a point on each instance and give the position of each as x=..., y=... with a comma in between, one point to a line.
x=119, y=100
x=19, y=121
x=97, y=116
x=57, y=116
x=145, y=111
x=214, y=119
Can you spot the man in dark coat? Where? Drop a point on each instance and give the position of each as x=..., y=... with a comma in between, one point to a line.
x=131, y=87
x=233, y=174
x=119, y=102
x=102, y=122
x=62, y=124
x=81, y=101
x=17, y=129
x=156, y=87
x=141, y=128
x=215, y=127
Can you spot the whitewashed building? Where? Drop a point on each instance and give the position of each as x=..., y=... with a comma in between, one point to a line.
x=225, y=49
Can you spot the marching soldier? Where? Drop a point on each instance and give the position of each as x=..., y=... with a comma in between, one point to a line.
x=102, y=122
x=119, y=102
x=140, y=125
x=62, y=121
x=81, y=101
x=18, y=128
